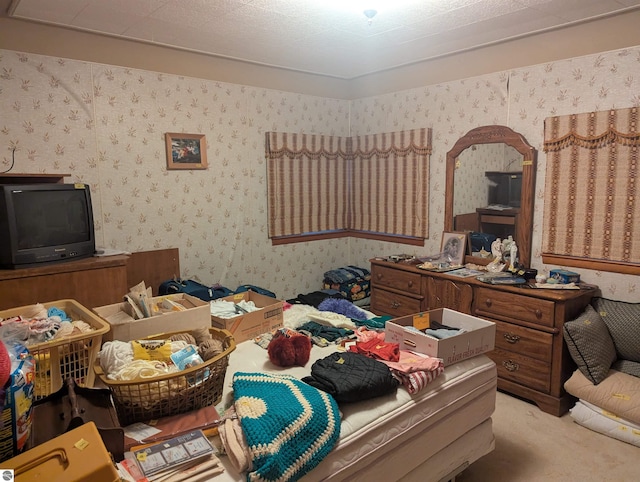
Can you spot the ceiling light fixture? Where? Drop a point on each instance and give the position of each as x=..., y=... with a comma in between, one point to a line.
x=370, y=13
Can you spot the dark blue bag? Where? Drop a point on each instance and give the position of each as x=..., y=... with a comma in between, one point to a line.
x=193, y=288
x=255, y=289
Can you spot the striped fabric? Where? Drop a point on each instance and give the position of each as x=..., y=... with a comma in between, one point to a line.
x=592, y=195
x=376, y=183
x=308, y=185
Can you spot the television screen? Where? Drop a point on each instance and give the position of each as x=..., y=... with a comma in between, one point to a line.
x=47, y=218
x=505, y=188
x=45, y=223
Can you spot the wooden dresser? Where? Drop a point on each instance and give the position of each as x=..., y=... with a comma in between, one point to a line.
x=532, y=359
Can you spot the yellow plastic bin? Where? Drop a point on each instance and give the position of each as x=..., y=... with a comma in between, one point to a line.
x=78, y=454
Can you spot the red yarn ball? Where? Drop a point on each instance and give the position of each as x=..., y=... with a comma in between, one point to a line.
x=285, y=351
x=302, y=345
x=281, y=352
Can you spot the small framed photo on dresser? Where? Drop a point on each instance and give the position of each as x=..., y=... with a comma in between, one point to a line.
x=453, y=247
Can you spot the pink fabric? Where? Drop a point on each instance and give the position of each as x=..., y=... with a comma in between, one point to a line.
x=363, y=334
x=415, y=371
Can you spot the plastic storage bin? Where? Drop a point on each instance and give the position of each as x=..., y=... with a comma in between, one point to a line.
x=78, y=454
x=66, y=357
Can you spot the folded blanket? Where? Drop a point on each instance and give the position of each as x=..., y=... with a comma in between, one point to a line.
x=289, y=426
x=346, y=274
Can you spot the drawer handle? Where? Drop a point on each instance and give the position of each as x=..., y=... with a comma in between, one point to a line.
x=395, y=304
x=511, y=338
x=510, y=365
x=410, y=284
x=538, y=314
x=488, y=302
x=379, y=276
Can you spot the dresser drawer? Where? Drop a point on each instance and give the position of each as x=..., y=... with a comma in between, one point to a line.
x=396, y=278
x=387, y=303
x=509, y=306
x=522, y=369
x=535, y=344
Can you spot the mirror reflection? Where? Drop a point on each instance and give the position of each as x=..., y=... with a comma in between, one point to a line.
x=490, y=184
x=487, y=174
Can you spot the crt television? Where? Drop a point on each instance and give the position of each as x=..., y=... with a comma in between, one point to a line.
x=45, y=223
x=505, y=188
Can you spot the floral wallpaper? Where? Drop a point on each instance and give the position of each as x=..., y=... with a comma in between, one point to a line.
x=104, y=125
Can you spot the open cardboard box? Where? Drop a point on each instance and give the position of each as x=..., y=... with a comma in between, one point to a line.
x=478, y=337
x=245, y=327
x=126, y=328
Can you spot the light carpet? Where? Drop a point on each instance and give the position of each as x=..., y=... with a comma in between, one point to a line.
x=532, y=446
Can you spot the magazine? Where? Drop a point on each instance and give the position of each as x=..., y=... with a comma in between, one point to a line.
x=501, y=279
x=489, y=277
x=465, y=272
x=163, y=458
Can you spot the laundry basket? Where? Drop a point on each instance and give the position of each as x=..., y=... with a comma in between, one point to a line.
x=144, y=399
x=68, y=356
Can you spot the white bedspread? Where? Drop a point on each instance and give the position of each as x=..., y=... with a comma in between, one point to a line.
x=464, y=395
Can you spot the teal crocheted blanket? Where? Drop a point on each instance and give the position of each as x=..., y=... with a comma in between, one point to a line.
x=289, y=426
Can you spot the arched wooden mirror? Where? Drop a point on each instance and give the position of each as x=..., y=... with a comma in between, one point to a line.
x=490, y=187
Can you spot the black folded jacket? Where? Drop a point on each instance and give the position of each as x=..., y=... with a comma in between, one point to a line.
x=351, y=377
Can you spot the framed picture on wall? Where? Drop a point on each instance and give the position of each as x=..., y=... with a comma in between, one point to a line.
x=186, y=151
x=453, y=247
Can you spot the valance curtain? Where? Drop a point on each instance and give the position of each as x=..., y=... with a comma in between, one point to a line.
x=391, y=183
x=592, y=210
x=376, y=183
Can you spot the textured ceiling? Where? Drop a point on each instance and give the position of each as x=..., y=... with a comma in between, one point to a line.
x=328, y=37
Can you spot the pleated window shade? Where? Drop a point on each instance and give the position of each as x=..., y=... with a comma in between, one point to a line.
x=592, y=210
x=370, y=184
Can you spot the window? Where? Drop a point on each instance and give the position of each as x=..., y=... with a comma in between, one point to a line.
x=591, y=197
x=373, y=186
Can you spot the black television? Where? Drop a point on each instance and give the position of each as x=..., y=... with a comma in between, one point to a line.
x=505, y=188
x=45, y=223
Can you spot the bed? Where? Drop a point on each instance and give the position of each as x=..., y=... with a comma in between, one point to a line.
x=432, y=435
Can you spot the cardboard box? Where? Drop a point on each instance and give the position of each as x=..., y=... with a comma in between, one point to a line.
x=562, y=276
x=125, y=328
x=248, y=326
x=479, y=335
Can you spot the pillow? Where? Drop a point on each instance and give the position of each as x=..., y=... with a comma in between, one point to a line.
x=628, y=367
x=623, y=321
x=590, y=345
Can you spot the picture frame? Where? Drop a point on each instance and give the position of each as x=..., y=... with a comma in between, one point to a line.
x=454, y=246
x=186, y=151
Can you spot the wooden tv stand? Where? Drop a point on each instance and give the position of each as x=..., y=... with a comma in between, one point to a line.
x=92, y=282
